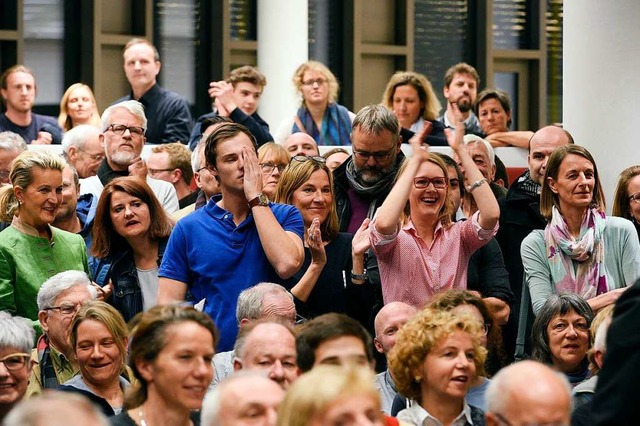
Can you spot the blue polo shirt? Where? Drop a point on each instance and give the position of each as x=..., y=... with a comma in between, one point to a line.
x=218, y=260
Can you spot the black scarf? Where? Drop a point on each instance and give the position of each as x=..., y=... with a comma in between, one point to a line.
x=378, y=188
x=107, y=174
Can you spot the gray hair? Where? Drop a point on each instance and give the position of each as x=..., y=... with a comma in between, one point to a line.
x=375, y=119
x=35, y=411
x=213, y=399
x=10, y=141
x=250, y=300
x=195, y=155
x=556, y=304
x=76, y=176
x=475, y=139
x=134, y=107
x=510, y=380
x=78, y=135
x=16, y=332
x=60, y=282
x=243, y=336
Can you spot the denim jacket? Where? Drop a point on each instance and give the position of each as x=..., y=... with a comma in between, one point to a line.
x=127, y=295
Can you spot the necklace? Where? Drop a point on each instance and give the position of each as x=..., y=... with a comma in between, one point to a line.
x=141, y=415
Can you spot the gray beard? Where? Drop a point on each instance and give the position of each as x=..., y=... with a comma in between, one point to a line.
x=122, y=158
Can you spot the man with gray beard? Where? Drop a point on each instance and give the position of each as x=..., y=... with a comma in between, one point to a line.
x=123, y=129
x=363, y=181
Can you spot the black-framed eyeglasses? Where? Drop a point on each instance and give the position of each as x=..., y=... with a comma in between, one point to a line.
x=378, y=156
x=635, y=197
x=424, y=182
x=66, y=309
x=15, y=361
x=203, y=168
x=94, y=157
x=311, y=82
x=134, y=131
x=303, y=158
x=268, y=168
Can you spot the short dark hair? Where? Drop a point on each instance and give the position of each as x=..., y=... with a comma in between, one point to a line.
x=328, y=327
x=223, y=133
x=499, y=95
x=556, y=304
x=216, y=119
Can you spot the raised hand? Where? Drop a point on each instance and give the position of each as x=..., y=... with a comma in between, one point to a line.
x=315, y=244
x=361, y=243
x=420, y=150
x=456, y=139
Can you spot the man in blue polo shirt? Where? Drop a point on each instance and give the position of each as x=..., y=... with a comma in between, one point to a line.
x=236, y=241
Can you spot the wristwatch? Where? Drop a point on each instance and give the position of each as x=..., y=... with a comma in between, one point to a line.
x=260, y=200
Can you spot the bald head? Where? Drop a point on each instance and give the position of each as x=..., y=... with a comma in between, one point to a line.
x=301, y=144
x=389, y=320
x=528, y=392
x=542, y=144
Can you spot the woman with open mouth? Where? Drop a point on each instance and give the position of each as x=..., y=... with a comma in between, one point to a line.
x=130, y=233
x=437, y=357
x=420, y=251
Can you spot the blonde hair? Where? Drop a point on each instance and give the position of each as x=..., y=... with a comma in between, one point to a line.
x=321, y=68
x=422, y=334
x=293, y=177
x=21, y=176
x=430, y=104
x=65, y=120
x=313, y=392
x=277, y=151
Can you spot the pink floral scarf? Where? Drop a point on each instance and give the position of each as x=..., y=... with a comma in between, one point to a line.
x=577, y=265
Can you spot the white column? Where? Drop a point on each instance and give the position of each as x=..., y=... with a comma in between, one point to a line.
x=282, y=47
x=600, y=83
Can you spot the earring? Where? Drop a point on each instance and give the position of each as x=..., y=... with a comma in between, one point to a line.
x=418, y=379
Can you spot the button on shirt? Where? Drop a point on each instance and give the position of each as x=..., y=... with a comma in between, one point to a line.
x=413, y=272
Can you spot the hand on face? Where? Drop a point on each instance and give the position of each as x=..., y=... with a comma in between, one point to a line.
x=138, y=168
x=252, y=181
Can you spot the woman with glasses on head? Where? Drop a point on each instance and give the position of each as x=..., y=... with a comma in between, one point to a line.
x=420, y=251
x=78, y=106
x=16, y=342
x=31, y=250
x=171, y=355
x=130, y=233
x=581, y=250
x=324, y=283
x=626, y=202
x=272, y=159
x=320, y=116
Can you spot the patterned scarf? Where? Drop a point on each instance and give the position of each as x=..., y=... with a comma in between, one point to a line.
x=336, y=125
x=588, y=278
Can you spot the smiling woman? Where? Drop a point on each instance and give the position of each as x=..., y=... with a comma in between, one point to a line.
x=31, y=250
x=130, y=232
x=99, y=337
x=581, y=250
x=324, y=283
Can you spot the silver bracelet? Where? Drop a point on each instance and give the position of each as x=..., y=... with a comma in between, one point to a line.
x=359, y=277
x=475, y=185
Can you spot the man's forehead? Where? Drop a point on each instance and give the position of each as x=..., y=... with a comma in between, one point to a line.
x=122, y=114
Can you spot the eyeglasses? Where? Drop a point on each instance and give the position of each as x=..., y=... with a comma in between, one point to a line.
x=134, y=131
x=378, y=156
x=318, y=81
x=303, y=158
x=485, y=328
x=423, y=182
x=202, y=168
x=153, y=172
x=268, y=168
x=506, y=422
x=66, y=310
x=94, y=157
x=15, y=361
x=635, y=197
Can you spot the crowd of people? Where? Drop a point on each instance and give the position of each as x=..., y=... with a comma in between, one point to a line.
x=233, y=277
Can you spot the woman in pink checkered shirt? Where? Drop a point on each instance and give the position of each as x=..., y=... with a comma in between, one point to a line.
x=420, y=251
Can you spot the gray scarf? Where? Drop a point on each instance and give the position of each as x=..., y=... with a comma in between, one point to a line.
x=380, y=187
